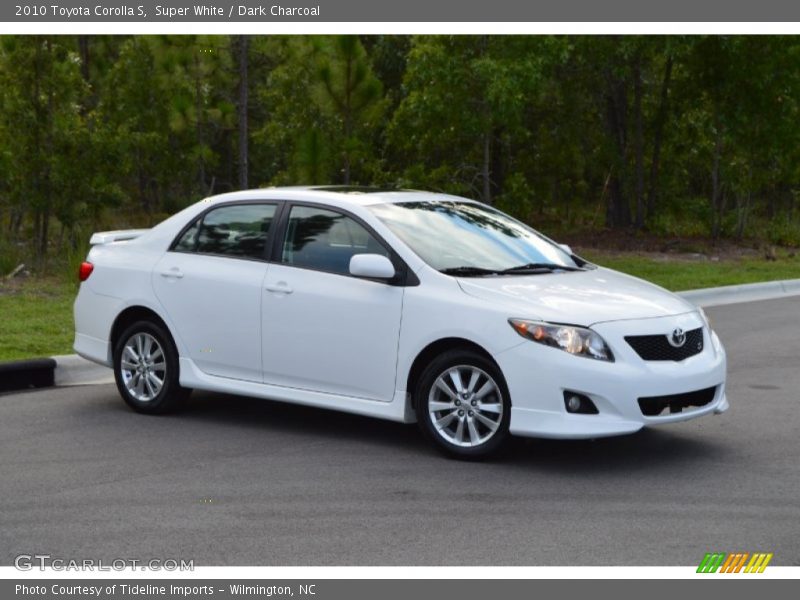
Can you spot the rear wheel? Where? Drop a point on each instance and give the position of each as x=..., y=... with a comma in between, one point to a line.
x=462, y=404
x=146, y=369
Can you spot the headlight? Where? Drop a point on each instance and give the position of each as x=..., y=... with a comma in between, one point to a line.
x=569, y=338
x=716, y=344
x=705, y=318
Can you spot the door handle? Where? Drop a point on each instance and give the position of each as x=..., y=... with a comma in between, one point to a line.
x=281, y=287
x=174, y=273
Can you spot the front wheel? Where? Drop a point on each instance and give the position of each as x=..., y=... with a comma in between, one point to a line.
x=146, y=369
x=463, y=405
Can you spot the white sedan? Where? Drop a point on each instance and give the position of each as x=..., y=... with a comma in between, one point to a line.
x=401, y=305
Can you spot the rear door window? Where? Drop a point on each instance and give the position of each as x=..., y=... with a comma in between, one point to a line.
x=239, y=231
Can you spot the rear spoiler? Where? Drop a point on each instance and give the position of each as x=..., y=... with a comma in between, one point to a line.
x=122, y=235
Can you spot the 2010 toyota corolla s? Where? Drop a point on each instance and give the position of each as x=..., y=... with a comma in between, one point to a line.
x=407, y=306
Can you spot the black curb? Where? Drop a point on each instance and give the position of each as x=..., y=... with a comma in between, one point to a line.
x=24, y=374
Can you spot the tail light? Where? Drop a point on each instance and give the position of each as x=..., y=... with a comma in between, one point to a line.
x=85, y=270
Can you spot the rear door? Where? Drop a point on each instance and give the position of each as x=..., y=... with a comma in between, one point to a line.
x=210, y=284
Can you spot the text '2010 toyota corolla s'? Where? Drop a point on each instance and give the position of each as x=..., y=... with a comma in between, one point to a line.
x=407, y=306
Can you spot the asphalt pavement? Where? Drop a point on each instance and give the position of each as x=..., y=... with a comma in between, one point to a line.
x=237, y=481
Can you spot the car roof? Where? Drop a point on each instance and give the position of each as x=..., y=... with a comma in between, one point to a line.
x=338, y=194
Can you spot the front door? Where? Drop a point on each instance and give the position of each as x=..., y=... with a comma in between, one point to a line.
x=324, y=330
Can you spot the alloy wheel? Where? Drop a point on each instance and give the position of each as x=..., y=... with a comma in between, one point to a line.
x=465, y=406
x=143, y=367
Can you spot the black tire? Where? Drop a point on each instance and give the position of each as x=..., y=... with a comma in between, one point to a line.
x=464, y=363
x=170, y=396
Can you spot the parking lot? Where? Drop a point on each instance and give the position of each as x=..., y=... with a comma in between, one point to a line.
x=237, y=481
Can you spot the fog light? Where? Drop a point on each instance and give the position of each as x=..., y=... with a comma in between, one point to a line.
x=579, y=403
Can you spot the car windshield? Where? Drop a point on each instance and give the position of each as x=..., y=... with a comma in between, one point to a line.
x=462, y=236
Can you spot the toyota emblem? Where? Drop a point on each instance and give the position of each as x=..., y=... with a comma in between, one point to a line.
x=678, y=338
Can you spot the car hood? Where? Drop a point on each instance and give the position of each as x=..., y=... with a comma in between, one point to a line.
x=578, y=297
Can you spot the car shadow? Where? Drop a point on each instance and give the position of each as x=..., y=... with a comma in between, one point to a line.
x=645, y=450
x=304, y=421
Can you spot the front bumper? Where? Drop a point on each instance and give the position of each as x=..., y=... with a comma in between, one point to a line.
x=537, y=377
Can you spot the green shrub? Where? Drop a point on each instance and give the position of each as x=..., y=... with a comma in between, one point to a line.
x=784, y=232
x=517, y=199
x=11, y=255
x=690, y=217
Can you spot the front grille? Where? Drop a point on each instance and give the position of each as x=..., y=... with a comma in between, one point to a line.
x=652, y=406
x=657, y=347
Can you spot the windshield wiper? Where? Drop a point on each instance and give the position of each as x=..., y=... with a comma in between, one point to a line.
x=469, y=271
x=541, y=268
x=466, y=271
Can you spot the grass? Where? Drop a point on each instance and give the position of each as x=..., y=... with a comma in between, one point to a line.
x=678, y=275
x=36, y=318
x=36, y=313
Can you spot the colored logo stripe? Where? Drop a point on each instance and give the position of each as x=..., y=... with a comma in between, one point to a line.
x=711, y=562
x=758, y=563
x=734, y=562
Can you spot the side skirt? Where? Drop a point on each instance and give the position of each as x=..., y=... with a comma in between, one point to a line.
x=397, y=410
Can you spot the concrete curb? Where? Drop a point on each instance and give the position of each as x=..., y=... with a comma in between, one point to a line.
x=71, y=369
x=748, y=292
x=23, y=374
x=64, y=370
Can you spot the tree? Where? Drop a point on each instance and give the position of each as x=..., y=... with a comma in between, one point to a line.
x=465, y=107
x=242, y=110
x=349, y=90
x=40, y=93
x=695, y=135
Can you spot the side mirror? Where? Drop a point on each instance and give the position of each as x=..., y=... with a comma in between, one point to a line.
x=372, y=266
x=566, y=248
